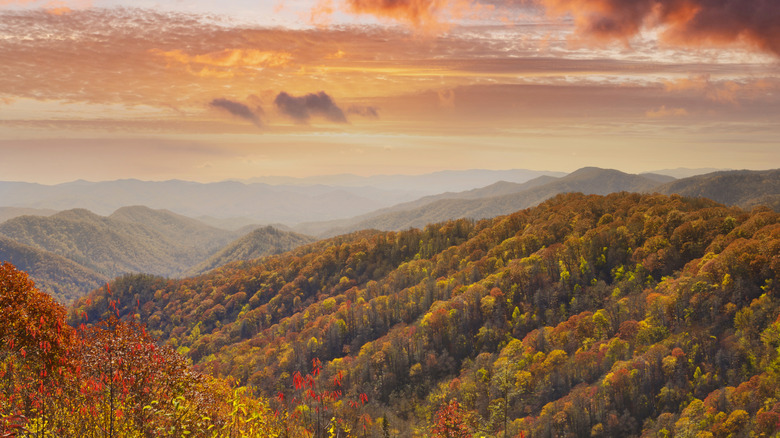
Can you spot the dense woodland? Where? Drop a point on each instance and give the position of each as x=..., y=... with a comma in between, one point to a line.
x=609, y=315
x=258, y=243
x=618, y=315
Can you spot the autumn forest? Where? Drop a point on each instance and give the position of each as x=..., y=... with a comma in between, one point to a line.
x=618, y=315
x=389, y=218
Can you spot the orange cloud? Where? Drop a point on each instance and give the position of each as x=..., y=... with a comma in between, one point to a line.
x=60, y=10
x=229, y=58
x=446, y=98
x=427, y=15
x=727, y=91
x=338, y=55
x=60, y=7
x=53, y=7
x=664, y=112
x=102, y=56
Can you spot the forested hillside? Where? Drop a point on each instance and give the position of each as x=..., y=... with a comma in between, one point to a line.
x=743, y=188
x=56, y=275
x=72, y=252
x=619, y=315
x=258, y=243
x=119, y=244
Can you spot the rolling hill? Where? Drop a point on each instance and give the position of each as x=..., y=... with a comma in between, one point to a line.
x=75, y=251
x=587, y=315
x=743, y=188
x=261, y=242
x=56, y=275
x=116, y=245
x=175, y=227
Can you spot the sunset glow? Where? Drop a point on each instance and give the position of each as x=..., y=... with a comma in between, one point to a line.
x=107, y=89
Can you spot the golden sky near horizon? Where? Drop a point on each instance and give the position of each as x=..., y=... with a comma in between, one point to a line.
x=192, y=90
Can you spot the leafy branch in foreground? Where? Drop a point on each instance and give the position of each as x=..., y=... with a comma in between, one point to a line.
x=110, y=379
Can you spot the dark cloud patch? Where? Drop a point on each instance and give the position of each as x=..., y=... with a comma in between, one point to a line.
x=238, y=109
x=301, y=108
x=364, y=111
x=685, y=22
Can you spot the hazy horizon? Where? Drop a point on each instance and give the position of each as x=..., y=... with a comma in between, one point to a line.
x=333, y=179
x=111, y=89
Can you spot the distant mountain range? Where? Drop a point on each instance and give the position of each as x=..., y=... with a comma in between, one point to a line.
x=739, y=188
x=743, y=188
x=262, y=203
x=72, y=251
x=426, y=184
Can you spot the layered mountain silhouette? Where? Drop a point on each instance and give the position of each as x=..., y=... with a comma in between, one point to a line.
x=58, y=249
x=743, y=188
x=496, y=199
x=263, y=203
x=78, y=244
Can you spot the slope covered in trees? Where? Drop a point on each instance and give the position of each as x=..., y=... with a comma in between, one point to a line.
x=113, y=246
x=743, y=188
x=74, y=251
x=619, y=315
x=258, y=243
x=56, y=275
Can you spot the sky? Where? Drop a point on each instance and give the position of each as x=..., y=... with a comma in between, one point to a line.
x=207, y=91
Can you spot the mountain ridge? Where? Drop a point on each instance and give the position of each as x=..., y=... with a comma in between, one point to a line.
x=619, y=315
x=588, y=180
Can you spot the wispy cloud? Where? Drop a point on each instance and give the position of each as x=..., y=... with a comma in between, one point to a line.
x=421, y=14
x=364, y=111
x=663, y=112
x=237, y=109
x=724, y=91
x=226, y=62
